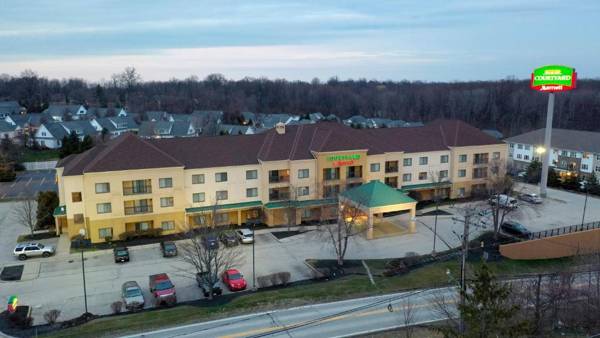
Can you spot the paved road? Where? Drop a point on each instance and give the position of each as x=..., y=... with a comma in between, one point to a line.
x=28, y=184
x=337, y=319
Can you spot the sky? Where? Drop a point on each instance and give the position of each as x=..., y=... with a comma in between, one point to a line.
x=299, y=40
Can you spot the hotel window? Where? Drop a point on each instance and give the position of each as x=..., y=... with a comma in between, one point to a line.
x=496, y=155
x=102, y=188
x=330, y=174
x=222, y=195
x=443, y=174
x=407, y=162
x=423, y=160
x=526, y=157
x=221, y=177
x=375, y=167
x=251, y=174
x=279, y=176
x=391, y=166
x=406, y=177
x=519, y=146
x=198, y=197
x=461, y=192
x=251, y=192
x=519, y=156
x=422, y=175
x=480, y=158
x=166, y=202
x=76, y=196
x=105, y=232
x=512, y=145
x=444, y=159
x=166, y=182
x=138, y=206
x=198, y=179
x=480, y=172
x=527, y=147
x=303, y=191
x=167, y=225
x=330, y=191
x=597, y=157
x=103, y=208
x=303, y=173
x=354, y=172
x=78, y=218
x=564, y=153
x=584, y=167
x=462, y=173
x=222, y=218
x=573, y=154
x=279, y=194
x=462, y=158
x=137, y=187
x=306, y=213
x=597, y=168
x=392, y=181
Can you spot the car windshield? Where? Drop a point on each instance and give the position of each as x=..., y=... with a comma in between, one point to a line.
x=164, y=285
x=121, y=252
x=133, y=292
x=41, y=246
x=235, y=275
x=169, y=247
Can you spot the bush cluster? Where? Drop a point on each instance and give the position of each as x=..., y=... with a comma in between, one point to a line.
x=274, y=279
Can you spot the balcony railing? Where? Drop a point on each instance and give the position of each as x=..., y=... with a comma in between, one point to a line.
x=279, y=179
x=137, y=190
x=391, y=168
x=279, y=196
x=140, y=209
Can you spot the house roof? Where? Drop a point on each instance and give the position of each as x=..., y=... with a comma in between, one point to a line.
x=122, y=153
x=103, y=112
x=6, y=127
x=376, y=194
x=118, y=123
x=83, y=127
x=164, y=128
x=301, y=141
x=234, y=129
x=578, y=140
x=10, y=107
x=156, y=115
x=61, y=109
x=494, y=133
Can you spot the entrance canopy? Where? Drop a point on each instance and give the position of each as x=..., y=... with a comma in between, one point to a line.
x=376, y=197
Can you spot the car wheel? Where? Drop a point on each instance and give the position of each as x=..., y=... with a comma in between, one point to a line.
x=46, y=254
x=205, y=294
x=22, y=257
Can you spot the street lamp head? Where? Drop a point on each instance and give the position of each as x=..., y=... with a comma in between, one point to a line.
x=82, y=232
x=540, y=150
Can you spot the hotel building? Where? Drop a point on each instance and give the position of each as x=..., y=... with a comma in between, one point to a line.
x=131, y=184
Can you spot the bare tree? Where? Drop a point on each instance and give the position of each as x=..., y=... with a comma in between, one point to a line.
x=437, y=178
x=339, y=234
x=208, y=261
x=408, y=317
x=25, y=213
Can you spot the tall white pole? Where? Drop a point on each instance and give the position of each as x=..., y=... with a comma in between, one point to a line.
x=547, y=146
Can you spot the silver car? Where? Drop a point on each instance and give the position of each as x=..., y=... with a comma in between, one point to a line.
x=132, y=295
x=245, y=236
x=26, y=250
x=531, y=198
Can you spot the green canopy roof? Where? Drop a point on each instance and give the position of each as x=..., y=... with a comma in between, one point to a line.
x=300, y=204
x=376, y=194
x=431, y=185
x=225, y=206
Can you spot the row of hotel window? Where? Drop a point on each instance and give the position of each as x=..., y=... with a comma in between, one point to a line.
x=564, y=153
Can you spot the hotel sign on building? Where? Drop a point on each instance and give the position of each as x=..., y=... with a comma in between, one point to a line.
x=343, y=160
x=554, y=78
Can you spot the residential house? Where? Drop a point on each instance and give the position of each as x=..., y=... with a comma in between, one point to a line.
x=115, y=126
x=316, y=117
x=572, y=152
x=50, y=134
x=10, y=108
x=495, y=133
x=64, y=112
x=248, y=118
x=154, y=116
x=235, y=129
x=95, y=112
x=270, y=120
x=166, y=129
x=8, y=130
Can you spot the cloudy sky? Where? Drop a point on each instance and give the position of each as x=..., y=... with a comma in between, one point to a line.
x=433, y=40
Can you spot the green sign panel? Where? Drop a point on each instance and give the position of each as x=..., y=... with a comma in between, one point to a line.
x=553, y=78
x=349, y=157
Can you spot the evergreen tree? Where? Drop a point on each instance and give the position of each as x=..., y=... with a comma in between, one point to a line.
x=553, y=178
x=47, y=201
x=86, y=144
x=593, y=186
x=534, y=171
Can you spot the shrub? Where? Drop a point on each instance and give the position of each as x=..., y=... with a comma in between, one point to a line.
x=116, y=307
x=130, y=235
x=51, y=316
x=264, y=281
x=7, y=176
x=274, y=279
x=284, y=277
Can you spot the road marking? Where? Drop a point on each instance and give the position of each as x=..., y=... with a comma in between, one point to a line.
x=43, y=179
x=31, y=178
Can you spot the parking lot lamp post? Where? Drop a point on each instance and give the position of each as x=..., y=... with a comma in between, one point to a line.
x=82, y=233
x=253, y=257
x=584, y=205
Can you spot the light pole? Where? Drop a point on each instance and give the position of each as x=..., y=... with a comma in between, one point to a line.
x=253, y=257
x=82, y=233
x=584, y=205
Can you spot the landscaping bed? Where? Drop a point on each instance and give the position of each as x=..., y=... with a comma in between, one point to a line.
x=286, y=234
x=12, y=273
x=36, y=236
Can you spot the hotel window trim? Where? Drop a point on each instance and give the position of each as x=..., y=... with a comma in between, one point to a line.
x=423, y=160
x=251, y=192
x=198, y=179
x=407, y=162
x=375, y=167
x=165, y=182
x=102, y=188
x=251, y=174
x=166, y=202
x=222, y=195
x=221, y=177
x=198, y=197
x=103, y=208
x=303, y=173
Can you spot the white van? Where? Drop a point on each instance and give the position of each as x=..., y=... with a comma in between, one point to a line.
x=504, y=201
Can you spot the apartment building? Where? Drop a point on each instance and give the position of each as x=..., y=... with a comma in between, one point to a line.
x=291, y=174
x=573, y=151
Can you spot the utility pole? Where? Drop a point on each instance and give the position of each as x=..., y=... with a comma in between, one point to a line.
x=547, y=146
x=584, y=205
x=463, y=264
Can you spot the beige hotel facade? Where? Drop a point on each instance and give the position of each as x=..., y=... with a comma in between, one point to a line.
x=291, y=174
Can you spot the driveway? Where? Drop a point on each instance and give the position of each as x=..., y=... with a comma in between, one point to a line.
x=28, y=184
x=59, y=282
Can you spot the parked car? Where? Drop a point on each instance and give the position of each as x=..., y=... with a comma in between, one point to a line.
x=162, y=290
x=531, y=198
x=26, y=250
x=246, y=236
x=210, y=241
x=229, y=238
x=515, y=229
x=504, y=201
x=234, y=280
x=132, y=296
x=121, y=254
x=169, y=249
x=216, y=290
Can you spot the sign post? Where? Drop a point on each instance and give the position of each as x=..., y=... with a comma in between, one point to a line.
x=551, y=79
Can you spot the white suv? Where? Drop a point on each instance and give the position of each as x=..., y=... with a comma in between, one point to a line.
x=26, y=250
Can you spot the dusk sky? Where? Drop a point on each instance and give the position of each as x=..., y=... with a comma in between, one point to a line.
x=396, y=40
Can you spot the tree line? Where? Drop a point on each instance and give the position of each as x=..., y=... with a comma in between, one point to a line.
x=507, y=105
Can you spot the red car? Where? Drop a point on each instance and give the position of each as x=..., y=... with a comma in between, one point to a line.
x=162, y=290
x=234, y=280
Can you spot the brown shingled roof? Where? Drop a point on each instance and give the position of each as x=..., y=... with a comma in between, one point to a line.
x=297, y=143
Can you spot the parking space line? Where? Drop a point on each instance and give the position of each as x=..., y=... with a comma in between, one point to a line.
x=30, y=179
x=43, y=179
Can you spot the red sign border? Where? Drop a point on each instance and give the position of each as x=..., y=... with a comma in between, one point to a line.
x=562, y=88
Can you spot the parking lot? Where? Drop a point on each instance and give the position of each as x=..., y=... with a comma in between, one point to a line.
x=28, y=184
x=56, y=282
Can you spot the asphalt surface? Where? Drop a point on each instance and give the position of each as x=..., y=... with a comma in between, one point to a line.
x=28, y=184
x=338, y=319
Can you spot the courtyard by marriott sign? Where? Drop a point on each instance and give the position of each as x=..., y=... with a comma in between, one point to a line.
x=342, y=160
x=553, y=78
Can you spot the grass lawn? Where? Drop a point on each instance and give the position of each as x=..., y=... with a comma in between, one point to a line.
x=30, y=155
x=347, y=287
